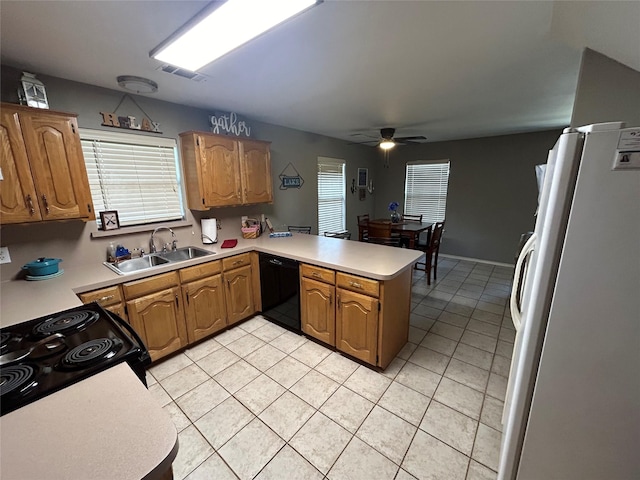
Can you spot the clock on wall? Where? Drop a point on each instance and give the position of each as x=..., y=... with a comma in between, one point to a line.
x=109, y=220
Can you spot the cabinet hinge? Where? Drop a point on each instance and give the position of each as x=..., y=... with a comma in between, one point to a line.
x=198, y=142
x=73, y=128
x=378, y=306
x=89, y=207
x=126, y=311
x=203, y=201
x=377, y=359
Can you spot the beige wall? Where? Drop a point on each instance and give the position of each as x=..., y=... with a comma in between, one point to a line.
x=608, y=91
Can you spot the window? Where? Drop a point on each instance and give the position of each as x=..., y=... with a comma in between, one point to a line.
x=331, y=195
x=426, y=189
x=136, y=175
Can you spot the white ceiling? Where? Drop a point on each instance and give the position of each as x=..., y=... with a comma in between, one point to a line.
x=445, y=70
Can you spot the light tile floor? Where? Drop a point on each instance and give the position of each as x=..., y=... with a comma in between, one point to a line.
x=258, y=401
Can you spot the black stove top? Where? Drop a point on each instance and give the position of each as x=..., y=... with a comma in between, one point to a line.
x=64, y=348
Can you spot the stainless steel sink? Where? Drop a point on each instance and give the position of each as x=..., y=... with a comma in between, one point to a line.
x=184, y=253
x=157, y=259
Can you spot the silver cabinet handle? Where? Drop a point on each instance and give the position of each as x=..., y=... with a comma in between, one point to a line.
x=316, y=274
x=30, y=203
x=46, y=203
x=356, y=285
x=105, y=298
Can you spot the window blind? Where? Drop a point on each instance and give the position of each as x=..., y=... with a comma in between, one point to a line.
x=331, y=195
x=136, y=175
x=426, y=186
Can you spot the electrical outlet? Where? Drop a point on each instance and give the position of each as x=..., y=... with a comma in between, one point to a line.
x=4, y=255
x=262, y=217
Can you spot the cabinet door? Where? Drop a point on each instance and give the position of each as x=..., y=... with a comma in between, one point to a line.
x=317, y=310
x=357, y=325
x=159, y=320
x=57, y=165
x=18, y=198
x=204, y=307
x=256, y=172
x=239, y=294
x=220, y=171
x=119, y=309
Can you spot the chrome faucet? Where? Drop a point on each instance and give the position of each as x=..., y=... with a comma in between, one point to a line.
x=152, y=244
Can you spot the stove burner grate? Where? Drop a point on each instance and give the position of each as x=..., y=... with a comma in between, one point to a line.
x=5, y=337
x=92, y=352
x=62, y=323
x=14, y=377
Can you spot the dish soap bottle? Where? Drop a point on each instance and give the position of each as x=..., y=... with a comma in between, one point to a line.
x=111, y=253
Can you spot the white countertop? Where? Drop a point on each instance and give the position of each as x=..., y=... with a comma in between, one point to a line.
x=107, y=426
x=23, y=300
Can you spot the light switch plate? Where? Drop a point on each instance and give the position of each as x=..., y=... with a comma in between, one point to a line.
x=4, y=255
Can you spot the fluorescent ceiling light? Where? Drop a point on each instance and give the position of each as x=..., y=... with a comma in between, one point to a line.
x=232, y=24
x=387, y=144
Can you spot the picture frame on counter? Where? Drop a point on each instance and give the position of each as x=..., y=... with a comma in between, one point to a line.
x=109, y=220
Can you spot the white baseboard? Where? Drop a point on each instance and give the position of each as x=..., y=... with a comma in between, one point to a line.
x=477, y=260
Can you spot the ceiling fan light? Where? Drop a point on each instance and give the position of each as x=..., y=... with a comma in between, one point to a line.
x=387, y=144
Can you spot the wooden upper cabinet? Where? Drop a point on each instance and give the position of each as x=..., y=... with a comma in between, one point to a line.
x=48, y=175
x=224, y=171
x=256, y=172
x=18, y=197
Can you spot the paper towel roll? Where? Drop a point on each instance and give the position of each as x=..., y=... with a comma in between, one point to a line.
x=209, y=230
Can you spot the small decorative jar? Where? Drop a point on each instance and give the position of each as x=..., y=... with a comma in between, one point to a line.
x=395, y=217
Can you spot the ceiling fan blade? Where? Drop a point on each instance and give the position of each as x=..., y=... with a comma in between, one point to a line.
x=362, y=143
x=417, y=137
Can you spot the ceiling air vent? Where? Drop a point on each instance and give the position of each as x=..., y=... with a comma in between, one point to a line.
x=181, y=72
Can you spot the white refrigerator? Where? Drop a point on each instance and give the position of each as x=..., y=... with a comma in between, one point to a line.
x=572, y=409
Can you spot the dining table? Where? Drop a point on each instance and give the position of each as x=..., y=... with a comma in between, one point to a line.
x=408, y=229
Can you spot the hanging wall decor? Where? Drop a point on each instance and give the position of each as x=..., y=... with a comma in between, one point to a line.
x=290, y=178
x=129, y=122
x=223, y=123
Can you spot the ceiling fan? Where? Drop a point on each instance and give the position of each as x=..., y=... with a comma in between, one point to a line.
x=388, y=141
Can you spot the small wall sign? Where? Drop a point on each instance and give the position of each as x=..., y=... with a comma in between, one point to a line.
x=223, y=123
x=290, y=178
x=129, y=122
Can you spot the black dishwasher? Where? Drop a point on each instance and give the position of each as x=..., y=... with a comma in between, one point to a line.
x=280, y=289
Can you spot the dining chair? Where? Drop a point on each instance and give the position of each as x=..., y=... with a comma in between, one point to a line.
x=363, y=227
x=299, y=229
x=411, y=218
x=431, y=252
x=390, y=241
x=379, y=229
x=345, y=234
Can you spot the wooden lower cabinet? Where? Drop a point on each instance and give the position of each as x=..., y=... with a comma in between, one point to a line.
x=369, y=319
x=357, y=325
x=204, y=307
x=110, y=298
x=317, y=310
x=239, y=294
x=156, y=312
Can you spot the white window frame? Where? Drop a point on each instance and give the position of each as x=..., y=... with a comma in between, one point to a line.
x=165, y=150
x=426, y=187
x=332, y=203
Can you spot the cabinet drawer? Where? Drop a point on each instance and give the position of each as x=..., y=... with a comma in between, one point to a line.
x=236, y=261
x=358, y=284
x=149, y=285
x=200, y=271
x=104, y=296
x=318, y=273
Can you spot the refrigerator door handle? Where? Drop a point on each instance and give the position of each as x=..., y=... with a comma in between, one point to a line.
x=521, y=266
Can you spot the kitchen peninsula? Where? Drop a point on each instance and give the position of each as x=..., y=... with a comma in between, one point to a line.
x=115, y=395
